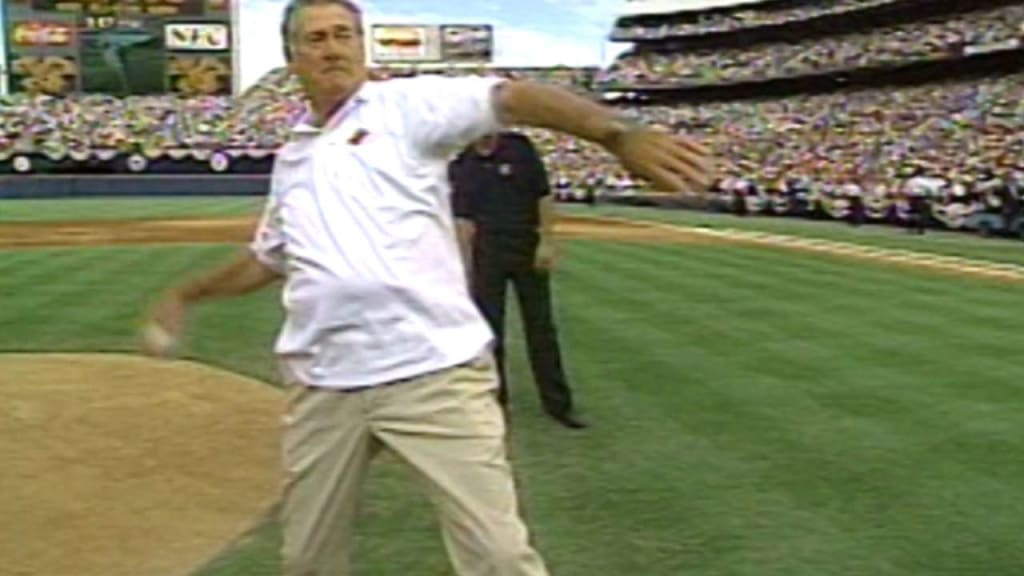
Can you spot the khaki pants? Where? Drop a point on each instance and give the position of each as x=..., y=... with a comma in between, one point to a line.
x=447, y=426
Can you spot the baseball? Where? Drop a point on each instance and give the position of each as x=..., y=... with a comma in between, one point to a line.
x=158, y=340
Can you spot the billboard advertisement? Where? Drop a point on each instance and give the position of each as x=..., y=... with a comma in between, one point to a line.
x=404, y=43
x=197, y=36
x=56, y=75
x=37, y=34
x=408, y=43
x=120, y=47
x=199, y=74
x=467, y=43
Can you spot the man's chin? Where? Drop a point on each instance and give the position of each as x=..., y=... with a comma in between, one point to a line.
x=333, y=86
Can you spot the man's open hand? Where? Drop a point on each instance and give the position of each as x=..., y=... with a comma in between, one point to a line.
x=671, y=163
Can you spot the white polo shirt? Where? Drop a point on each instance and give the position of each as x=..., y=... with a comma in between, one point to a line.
x=359, y=221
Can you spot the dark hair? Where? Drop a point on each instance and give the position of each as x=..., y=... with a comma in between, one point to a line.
x=293, y=8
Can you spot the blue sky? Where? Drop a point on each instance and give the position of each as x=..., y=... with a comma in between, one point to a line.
x=527, y=32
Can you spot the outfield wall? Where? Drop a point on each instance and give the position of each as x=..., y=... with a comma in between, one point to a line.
x=84, y=186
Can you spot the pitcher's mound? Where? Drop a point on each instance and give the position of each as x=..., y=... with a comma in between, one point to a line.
x=118, y=465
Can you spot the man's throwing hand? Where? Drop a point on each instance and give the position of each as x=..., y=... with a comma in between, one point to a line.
x=163, y=326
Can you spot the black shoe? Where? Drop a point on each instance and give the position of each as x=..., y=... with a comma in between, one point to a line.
x=569, y=420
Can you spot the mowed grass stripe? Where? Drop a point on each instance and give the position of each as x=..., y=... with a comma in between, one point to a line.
x=794, y=409
x=778, y=324
x=71, y=299
x=960, y=244
x=652, y=347
x=872, y=333
x=9, y=259
x=134, y=208
x=70, y=293
x=896, y=393
x=778, y=286
x=846, y=283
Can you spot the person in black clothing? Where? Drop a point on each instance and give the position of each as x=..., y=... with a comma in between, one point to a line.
x=857, y=212
x=505, y=214
x=1009, y=195
x=739, y=198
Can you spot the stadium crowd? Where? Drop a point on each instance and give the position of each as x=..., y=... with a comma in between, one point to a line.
x=948, y=141
x=687, y=24
x=957, y=132
x=954, y=142
x=935, y=38
x=260, y=119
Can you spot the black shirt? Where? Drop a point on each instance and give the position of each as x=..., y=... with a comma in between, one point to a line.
x=500, y=192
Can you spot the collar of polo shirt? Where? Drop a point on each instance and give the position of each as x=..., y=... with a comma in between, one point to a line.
x=305, y=125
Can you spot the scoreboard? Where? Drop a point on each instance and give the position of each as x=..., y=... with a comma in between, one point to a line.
x=121, y=47
x=114, y=7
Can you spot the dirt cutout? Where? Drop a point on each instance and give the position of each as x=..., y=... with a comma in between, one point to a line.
x=123, y=466
x=125, y=232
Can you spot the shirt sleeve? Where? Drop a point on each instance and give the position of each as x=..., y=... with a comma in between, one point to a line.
x=268, y=245
x=444, y=114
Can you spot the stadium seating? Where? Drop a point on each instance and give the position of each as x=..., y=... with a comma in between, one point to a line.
x=934, y=38
x=688, y=24
x=259, y=119
x=800, y=153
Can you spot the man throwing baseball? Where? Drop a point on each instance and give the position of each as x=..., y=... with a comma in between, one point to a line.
x=382, y=346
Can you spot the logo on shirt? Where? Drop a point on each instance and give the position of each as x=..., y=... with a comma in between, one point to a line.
x=505, y=169
x=358, y=136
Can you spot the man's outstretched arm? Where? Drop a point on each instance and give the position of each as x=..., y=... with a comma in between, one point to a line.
x=242, y=275
x=670, y=162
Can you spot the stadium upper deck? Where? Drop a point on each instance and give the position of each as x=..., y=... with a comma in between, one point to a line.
x=794, y=39
x=647, y=20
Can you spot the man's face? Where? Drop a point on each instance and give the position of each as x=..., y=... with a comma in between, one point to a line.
x=327, y=50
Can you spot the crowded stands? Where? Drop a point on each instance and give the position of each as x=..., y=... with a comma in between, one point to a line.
x=935, y=38
x=872, y=142
x=260, y=119
x=688, y=24
x=946, y=141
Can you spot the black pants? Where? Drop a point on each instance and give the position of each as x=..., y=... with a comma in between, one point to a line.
x=856, y=215
x=503, y=259
x=919, y=210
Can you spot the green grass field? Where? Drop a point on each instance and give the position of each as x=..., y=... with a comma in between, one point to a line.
x=126, y=208
x=755, y=413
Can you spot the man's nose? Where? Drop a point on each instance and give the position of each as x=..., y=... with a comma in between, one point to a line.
x=333, y=48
